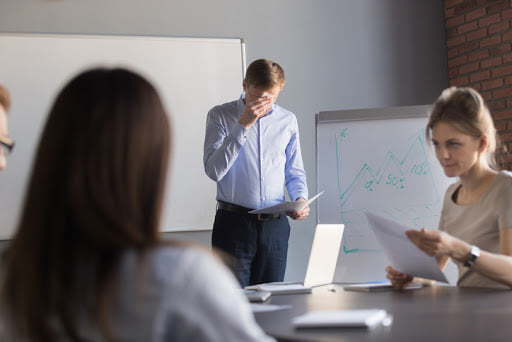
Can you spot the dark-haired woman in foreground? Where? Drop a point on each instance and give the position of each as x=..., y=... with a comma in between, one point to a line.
x=87, y=262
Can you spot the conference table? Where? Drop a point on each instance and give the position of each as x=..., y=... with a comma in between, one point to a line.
x=431, y=313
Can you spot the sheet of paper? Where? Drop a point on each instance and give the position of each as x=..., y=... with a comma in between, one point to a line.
x=366, y=318
x=402, y=253
x=281, y=288
x=283, y=208
x=375, y=287
x=255, y=308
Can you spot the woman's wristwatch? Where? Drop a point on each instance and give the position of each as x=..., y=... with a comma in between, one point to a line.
x=473, y=255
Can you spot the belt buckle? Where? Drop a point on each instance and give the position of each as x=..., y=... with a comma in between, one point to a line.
x=264, y=217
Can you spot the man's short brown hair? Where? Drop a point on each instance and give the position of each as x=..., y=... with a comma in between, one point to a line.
x=264, y=74
x=5, y=98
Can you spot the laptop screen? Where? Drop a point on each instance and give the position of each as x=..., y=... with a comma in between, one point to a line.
x=324, y=254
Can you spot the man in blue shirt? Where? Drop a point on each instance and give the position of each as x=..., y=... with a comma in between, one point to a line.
x=252, y=150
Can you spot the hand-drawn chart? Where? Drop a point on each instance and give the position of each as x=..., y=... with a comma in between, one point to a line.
x=380, y=166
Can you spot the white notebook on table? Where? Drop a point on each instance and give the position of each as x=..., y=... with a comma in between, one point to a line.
x=364, y=318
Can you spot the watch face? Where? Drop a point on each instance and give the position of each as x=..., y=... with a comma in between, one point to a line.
x=473, y=255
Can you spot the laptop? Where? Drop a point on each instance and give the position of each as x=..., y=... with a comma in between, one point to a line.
x=324, y=254
x=321, y=265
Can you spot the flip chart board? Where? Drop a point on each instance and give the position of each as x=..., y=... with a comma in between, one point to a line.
x=375, y=160
x=191, y=74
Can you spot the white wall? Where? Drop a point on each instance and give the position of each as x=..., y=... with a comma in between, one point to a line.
x=337, y=54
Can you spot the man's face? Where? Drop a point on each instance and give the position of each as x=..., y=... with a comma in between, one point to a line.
x=252, y=93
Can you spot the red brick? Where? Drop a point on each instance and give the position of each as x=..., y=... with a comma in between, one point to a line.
x=491, y=63
x=467, y=27
x=451, y=32
x=504, y=166
x=503, y=92
x=468, y=47
x=497, y=105
x=487, y=95
x=506, y=156
x=494, y=40
x=475, y=14
x=475, y=56
x=452, y=53
x=509, y=103
x=500, y=126
x=467, y=68
x=504, y=115
x=501, y=152
x=452, y=3
x=448, y=13
x=454, y=21
x=507, y=36
x=489, y=19
x=453, y=73
x=506, y=137
x=480, y=76
x=497, y=7
x=509, y=125
x=506, y=14
x=458, y=82
x=455, y=41
x=500, y=27
x=485, y=3
x=478, y=34
x=493, y=84
x=477, y=87
x=465, y=7
x=457, y=61
x=507, y=58
x=504, y=71
x=501, y=49
x=504, y=160
x=508, y=80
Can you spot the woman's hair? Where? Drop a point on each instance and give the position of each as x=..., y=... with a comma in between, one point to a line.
x=465, y=109
x=5, y=98
x=95, y=191
x=265, y=74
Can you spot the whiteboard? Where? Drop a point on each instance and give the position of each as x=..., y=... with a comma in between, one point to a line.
x=375, y=160
x=191, y=75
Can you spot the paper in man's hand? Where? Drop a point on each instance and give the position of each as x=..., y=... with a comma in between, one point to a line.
x=283, y=208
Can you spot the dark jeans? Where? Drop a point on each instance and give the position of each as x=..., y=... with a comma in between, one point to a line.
x=259, y=248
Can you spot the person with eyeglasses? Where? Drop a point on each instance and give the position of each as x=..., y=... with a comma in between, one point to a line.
x=6, y=143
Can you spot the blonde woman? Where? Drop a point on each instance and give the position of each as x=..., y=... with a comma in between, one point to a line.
x=475, y=228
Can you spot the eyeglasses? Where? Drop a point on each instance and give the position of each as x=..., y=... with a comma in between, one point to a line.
x=7, y=145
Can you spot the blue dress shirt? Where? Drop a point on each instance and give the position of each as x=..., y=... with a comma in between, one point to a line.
x=252, y=166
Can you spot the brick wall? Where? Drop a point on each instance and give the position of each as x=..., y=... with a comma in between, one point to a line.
x=478, y=40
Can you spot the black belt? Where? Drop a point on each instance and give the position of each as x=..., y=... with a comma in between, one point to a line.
x=238, y=209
